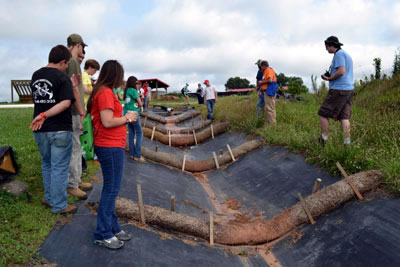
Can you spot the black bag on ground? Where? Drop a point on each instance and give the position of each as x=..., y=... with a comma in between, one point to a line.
x=8, y=165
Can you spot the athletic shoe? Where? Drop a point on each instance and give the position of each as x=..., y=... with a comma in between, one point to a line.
x=111, y=243
x=141, y=159
x=123, y=236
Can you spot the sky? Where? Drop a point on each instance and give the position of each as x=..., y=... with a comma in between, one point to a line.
x=189, y=41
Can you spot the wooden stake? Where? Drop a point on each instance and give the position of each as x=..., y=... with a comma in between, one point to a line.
x=216, y=160
x=211, y=228
x=172, y=203
x=141, y=208
x=195, y=138
x=184, y=161
x=230, y=152
x=348, y=181
x=156, y=148
x=316, y=185
x=152, y=134
x=212, y=131
x=169, y=138
x=303, y=203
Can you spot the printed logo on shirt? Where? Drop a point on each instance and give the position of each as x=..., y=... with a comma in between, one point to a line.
x=43, y=93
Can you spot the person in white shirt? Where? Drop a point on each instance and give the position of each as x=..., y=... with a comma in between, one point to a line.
x=210, y=97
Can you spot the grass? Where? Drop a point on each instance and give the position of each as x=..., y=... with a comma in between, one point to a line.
x=375, y=129
x=24, y=225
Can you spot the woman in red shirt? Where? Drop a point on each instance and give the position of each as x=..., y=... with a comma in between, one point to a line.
x=109, y=133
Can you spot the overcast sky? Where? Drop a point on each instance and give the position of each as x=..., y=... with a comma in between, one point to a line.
x=192, y=40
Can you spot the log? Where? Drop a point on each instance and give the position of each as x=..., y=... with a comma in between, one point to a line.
x=202, y=165
x=186, y=139
x=171, y=119
x=175, y=129
x=259, y=231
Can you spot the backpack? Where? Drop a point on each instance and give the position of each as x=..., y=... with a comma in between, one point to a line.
x=87, y=141
x=183, y=91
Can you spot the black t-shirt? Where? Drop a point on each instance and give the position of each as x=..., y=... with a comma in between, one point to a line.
x=49, y=87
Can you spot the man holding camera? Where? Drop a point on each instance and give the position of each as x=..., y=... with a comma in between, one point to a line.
x=337, y=104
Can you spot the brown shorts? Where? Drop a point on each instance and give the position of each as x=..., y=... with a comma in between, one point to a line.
x=337, y=105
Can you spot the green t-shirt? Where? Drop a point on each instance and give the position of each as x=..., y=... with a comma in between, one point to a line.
x=130, y=100
x=119, y=90
x=75, y=68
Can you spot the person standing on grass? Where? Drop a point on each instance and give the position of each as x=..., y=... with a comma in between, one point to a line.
x=76, y=187
x=337, y=104
x=210, y=97
x=200, y=94
x=52, y=126
x=145, y=94
x=109, y=132
x=260, y=95
x=269, y=77
x=134, y=104
x=90, y=69
x=186, y=94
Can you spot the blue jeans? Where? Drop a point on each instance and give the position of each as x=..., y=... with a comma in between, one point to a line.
x=55, y=149
x=112, y=164
x=145, y=102
x=135, y=129
x=210, y=109
x=260, y=104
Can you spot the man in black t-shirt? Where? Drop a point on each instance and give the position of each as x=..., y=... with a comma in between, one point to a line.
x=52, y=126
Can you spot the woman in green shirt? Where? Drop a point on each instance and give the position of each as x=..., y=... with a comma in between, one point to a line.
x=133, y=104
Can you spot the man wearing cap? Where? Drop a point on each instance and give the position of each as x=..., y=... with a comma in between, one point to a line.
x=260, y=95
x=75, y=185
x=337, y=104
x=210, y=96
x=268, y=79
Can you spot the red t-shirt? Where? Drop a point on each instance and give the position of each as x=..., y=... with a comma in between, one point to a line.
x=107, y=137
x=146, y=90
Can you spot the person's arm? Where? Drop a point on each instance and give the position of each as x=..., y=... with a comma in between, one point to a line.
x=109, y=121
x=269, y=80
x=38, y=121
x=215, y=94
x=339, y=73
x=119, y=96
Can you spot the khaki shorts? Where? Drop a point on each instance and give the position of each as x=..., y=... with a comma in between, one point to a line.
x=337, y=105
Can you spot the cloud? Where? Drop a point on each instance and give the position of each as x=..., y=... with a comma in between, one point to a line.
x=189, y=41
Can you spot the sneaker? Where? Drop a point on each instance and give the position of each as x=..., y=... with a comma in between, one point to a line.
x=123, y=236
x=70, y=209
x=141, y=159
x=85, y=186
x=76, y=192
x=45, y=203
x=111, y=243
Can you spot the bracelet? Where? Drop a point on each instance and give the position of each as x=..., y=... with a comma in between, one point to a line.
x=43, y=115
x=127, y=120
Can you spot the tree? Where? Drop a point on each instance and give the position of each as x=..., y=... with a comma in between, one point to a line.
x=377, y=65
x=282, y=80
x=314, y=83
x=396, y=63
x=237, y=82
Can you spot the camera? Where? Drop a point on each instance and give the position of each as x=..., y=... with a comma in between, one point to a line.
x=326, y=74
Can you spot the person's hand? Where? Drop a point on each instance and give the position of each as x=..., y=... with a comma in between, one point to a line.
x=259, y=93
x=326, y=78
x=75, y=79
x=37, y=123
x=132, y=116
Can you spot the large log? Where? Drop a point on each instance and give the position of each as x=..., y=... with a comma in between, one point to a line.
x=202, y=165
x=186, y=139
x=175, y=129
x=260, y=231
x=171, y=119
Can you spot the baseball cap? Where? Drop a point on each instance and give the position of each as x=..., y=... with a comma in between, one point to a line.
x=76, y=38
x=258, y=62
x=206, y=81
